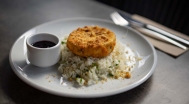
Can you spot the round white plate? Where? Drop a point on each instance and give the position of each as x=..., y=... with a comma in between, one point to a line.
x=49, y=79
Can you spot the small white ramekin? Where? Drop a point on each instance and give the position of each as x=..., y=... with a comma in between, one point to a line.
x=43, y=57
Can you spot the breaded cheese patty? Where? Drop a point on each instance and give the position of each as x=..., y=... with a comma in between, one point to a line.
x=91, y=41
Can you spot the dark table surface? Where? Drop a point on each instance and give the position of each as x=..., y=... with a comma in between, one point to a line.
x=168, y=85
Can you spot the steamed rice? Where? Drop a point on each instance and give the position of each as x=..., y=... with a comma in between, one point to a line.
x=88, y=71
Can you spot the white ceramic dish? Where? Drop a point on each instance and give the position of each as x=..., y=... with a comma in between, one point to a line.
x=43, y=57
x=49, y=79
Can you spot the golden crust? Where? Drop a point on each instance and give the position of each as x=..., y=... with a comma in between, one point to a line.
x=91, y=41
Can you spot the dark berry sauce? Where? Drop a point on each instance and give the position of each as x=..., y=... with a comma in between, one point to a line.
x=43, y=44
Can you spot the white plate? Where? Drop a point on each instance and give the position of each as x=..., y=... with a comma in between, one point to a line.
x=49, y=79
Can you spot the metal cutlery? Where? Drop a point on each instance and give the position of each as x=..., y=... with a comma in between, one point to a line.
x=123, y=20
x=153, y=28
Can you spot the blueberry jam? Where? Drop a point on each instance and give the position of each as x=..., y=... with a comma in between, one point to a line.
x=43, y=44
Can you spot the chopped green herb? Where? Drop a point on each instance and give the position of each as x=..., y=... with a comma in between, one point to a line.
x=94, y=64
x=63, y=42
x=110, y=74
x=80, y=80
x=116, y=64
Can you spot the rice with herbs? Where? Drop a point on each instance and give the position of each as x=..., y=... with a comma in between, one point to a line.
x=88, y=71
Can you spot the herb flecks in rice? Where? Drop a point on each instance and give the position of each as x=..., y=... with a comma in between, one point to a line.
x=88, y=71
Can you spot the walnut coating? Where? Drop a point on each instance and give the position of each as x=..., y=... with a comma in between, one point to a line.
x=91, y=41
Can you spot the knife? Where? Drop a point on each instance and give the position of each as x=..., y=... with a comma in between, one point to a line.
x=135, y=23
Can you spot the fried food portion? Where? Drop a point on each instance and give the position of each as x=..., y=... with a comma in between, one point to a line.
x=91, y=41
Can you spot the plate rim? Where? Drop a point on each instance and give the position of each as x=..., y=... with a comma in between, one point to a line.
x=137, y=83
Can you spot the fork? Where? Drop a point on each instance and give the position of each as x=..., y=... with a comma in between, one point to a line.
x=119, y=20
